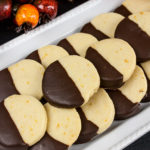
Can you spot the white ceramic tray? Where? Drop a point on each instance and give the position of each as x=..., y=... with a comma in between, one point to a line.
x=121, y=133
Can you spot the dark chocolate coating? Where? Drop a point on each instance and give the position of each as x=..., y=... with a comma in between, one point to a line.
x=133, y=112
x=110, y=77
x=34, y=56
x=138, y=39
x=7, y=86
x=124, y=108
x=88, y=131
x=123, y=11
x=90, y=29
x=9, y=134
x=48, y=143
x=17, y=147
x=59, y=89
x=68, y=47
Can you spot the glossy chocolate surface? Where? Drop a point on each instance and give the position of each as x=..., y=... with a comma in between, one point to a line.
x=136, y=37
x=67, y=46
x=17, y=147
x=7, y=86
x=59, y=89
x=124, y=108
x=9, y=134
x=89, y=28
x=123, y=11
x=34, y=56
x=133, y=112
x=89, y=129
x=110, y=77
x=48, y=143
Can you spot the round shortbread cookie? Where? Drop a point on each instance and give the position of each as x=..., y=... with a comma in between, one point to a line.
x=114, y=60
x=48, y=54
x=70, y=82
x=146, y=68
x=27, y=77
x=100, y=112
x=63, y=129
x=64, y=125
x=133, y=6
x=135, y=88
x=78, y=43
x=25, y=121
x=127, y=98
x=103, y=26
x=136, y=31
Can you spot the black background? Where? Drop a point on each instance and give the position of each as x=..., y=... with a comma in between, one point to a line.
x=141, y=144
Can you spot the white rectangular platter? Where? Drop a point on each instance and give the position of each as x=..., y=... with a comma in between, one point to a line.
x=122, y=133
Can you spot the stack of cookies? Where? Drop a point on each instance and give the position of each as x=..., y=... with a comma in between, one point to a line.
x=69, y=93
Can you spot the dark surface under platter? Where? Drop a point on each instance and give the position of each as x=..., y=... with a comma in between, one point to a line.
x=141, y=144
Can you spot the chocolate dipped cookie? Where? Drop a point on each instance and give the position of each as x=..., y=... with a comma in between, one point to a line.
x=114, y=60
x=63, y=129
x=48, y=54
x=78, y=43
x=127, y=98
x=136, y=31
x=24, y=77
x=70, y=82
x=129, y=7
x=103, y=26
x=96, y=116
x=25, y=122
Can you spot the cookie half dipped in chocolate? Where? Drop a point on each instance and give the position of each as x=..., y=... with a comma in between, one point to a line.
x=78, y=43
x=146, y=68
x=129, y=7
x=96, y=116
x=127, y=98
x=103, y=26
x=48, y=54
x=70, y=82
x=136, y=31
x=25, y=122
x=27, y=77
x=114, y=60
x=64, y=126
x=24, y=77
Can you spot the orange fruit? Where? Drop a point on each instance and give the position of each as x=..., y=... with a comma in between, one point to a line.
x=27, y=13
